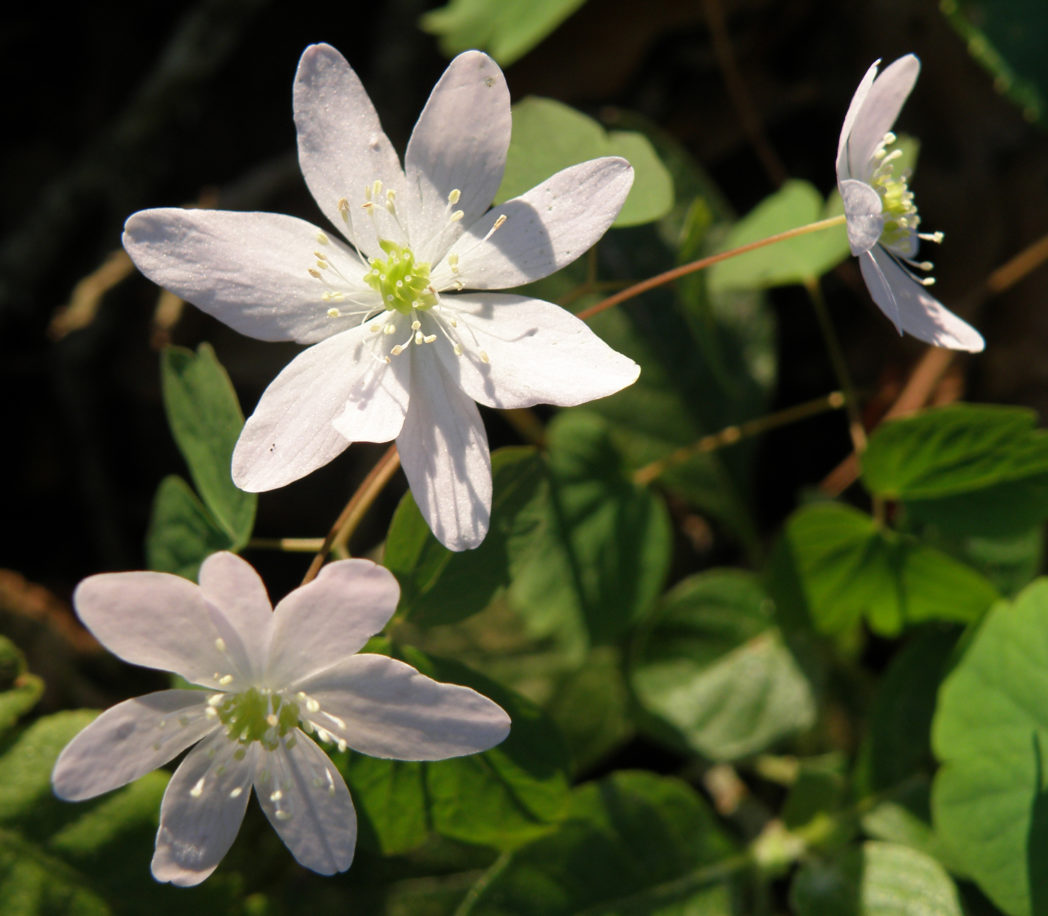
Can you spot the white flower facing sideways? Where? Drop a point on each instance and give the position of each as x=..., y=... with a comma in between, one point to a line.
x=881, y=214
x=405, y=335
x=271, y=678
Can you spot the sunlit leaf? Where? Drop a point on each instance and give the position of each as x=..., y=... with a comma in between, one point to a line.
x=797, y=260
x=205, y=419
x=876, y=879
x=844, y=567
x=506, y=30
x=990, y=797
x=549, y=136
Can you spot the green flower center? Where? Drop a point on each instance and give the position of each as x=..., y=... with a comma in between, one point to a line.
x=898, y=207
x=403, y=284
x=256, y=715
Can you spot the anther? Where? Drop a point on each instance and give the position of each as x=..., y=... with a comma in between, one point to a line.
x=323, y=239
x=453, y=196
x=220, y=644
x=198, y=789
x=335, y=313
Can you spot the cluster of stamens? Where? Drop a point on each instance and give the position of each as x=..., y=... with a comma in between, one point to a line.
x=898, y=207
x=404, y=285
x=255, y=714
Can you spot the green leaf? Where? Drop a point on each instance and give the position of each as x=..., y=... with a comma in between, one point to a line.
x=951, y=450
x=500, y=798
x=205, y=419
x=506, y=30
x=715, y=668
x=182, y=533
x=844, y=566
x=19, y=690
x=878, y=879
x=549, y=136
x=599, y=561
x=798, y=260
x=897, y=743
x=1006, y=37
x=88, y=858
x=633, y=843
x=990, y=797
x=1009, y=561
x=440, y=586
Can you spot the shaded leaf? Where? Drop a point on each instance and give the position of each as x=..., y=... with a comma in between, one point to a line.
x=632, y=843
x=599, y=561
x=182, y=533
x=440, y=586
x=716, y=669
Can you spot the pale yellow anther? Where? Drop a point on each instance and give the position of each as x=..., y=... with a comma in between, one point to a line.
x=390, y=329
x=419, y=338
x=334, y=313
x=416, y=324
x=456, y=216
x=236, y=792
x=457, y=349
x=276, y=795
x=220, y=644
x=429, y=338
x=323, y=239
x=397, y=350
x=453, y=196
x=314, y=273
x=198, y=788
x=225, y=679
x=484, y=357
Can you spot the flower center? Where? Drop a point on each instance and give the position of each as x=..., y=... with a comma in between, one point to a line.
x=403, y=284
x=898, y=207
x=256, y=715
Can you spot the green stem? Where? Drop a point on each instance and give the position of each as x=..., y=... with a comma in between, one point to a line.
x=677, y=272
x=840, y=366
x=732, y=434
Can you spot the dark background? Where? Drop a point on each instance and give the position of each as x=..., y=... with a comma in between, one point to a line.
x=114, y=107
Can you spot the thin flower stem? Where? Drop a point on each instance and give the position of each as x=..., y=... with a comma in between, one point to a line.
x=677, y=272
x=358, y=504
x=288, y=545
x=840, y=366
x=732, y=434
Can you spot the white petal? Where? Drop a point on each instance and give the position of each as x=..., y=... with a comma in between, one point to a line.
x=862, y=208
x=444, y=452
x=854, y=107
x=879, y=110
x=156, y=620
x=248, y=270
x=459, y=143
x=538, y=353
x=385, y=708
x=308, y=804
x=202, y=810
x=912, y=309
x=330, y=618
x=342, y=148
x=233, y=586
x=291, y=432
x=545, y=228
x=129, y=740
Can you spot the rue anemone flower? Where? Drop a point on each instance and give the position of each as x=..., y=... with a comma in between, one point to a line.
x=881, y=214
x=270, y=679
x=405, y=336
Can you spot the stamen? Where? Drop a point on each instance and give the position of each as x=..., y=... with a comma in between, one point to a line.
x=453, y=196
x=198, y=788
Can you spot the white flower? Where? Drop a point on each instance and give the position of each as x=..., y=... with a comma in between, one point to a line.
x=882, y=216
x=270, y=676
x=399, y=352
